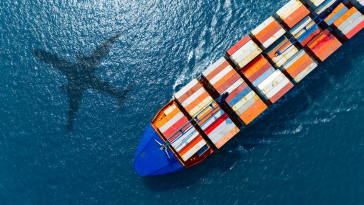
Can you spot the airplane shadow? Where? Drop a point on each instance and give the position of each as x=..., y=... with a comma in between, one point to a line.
x=286, y=110
x=81, y=76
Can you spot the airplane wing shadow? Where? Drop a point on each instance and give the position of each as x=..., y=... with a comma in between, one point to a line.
x=81, y=76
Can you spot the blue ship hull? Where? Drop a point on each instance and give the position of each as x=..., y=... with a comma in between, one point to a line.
x=150, y=160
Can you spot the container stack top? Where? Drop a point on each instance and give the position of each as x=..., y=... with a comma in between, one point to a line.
x=303, y=36
x=255, y=70
x=244, y=101
x=340, y=10
x=291, y=13
x=323, y=45
x=243, y=52
x=299, y=66
x=220, y=74
x=267, y=33
x=283, y=44
x=348, y=24
x=193, y=97
x=171, y=122
x=217, y=125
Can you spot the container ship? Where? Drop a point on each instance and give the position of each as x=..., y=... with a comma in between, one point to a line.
x=254, y=74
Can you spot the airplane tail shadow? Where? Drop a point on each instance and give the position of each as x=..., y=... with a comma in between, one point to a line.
x=124, y=94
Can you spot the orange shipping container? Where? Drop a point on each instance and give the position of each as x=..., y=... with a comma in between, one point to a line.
x=267, y=33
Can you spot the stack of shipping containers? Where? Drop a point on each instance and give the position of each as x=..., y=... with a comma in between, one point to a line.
x=340, y=10
x=267, y=33
x=212, y=120
x=348, y=24
x=269, y=85
x=299, y=66
x=243, y=52
x=260, y=77
x=244, y=102
x=323, y=45
x=171, y=123
x=305, y=31
x=291, y=13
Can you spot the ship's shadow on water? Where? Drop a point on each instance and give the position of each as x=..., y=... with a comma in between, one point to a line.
x=282, y=111
x=81, y=76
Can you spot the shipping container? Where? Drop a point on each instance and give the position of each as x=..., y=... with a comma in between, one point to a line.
x=285, y=46
x=348, y=24
x=219, y=76
x=255, y=69
x=324, y=5
x=212, y=120
x=312, y=4
x=243, y=52
x=193, y=97
x=274, y=87
x=305, y=31
x=217, y=125
x=299, y=66
x=291, y=13
x=174, y=126
x=323, y=45
x=244, y=101
x=267, y=33
x=340, y=10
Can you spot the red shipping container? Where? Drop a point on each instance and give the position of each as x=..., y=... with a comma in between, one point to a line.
x=323, y=45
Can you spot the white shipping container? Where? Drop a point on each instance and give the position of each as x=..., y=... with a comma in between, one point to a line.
x=213, y=66
x=348, y=21
x=245, y=50
x=186, y=88
x=221, y=131
x=201, y=105
x=290, y=10
x=273, y=84
x=273, y=38
x=279, y=87
x=283, y=10
x=244, y=100
x=284, y=57
x=352, y=25
x=234, y=86
x=246, y=106
x=221, y=74
x=248, y=59
x=269, y=79
x=262, y=26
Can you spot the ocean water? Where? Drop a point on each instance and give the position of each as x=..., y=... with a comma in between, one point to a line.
x=305, y=149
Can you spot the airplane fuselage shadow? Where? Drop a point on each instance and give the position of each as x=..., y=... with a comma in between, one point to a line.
x=223, y=159
x=81, y=76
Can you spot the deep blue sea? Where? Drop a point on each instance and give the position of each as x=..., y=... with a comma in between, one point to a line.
x=305, y=149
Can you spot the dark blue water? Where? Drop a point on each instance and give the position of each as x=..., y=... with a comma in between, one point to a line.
x=306, y=149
